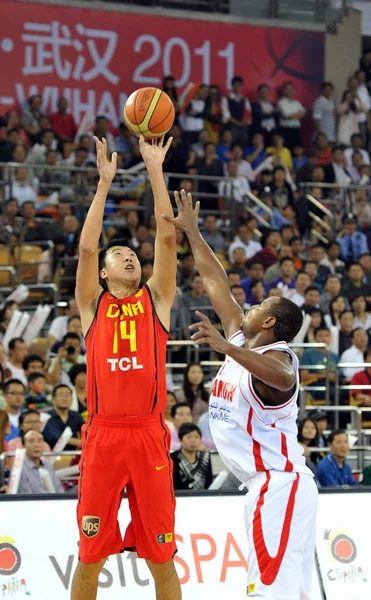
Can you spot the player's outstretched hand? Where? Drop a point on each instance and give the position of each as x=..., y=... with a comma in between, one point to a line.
x=187, y=219
x=107, y=168
x=207, y=334
x=153, y=152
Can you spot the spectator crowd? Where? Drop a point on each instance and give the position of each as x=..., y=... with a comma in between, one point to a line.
x=301, y=229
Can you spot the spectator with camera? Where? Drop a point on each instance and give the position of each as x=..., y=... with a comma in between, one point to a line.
x=69, y=354
x=192, y=466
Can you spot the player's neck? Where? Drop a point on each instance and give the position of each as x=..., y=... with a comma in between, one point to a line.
x=122, y=290
x=258, y=340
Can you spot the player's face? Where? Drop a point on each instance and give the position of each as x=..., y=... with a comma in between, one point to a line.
x=254, y=318
x=191, y=442
x=121, y=264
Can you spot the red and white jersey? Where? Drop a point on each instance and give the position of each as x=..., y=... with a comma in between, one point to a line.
x=249, y=436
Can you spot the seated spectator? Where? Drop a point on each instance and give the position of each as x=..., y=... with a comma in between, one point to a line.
x=296, y=246
x=269, y=254
x=256, y=273
x=6, y=315
x=33, y=364
x=323, y=149
x=37, y=476
x=363, y=397
x=312, y=298
x=4, y=431
x=316, y=321
x=101, y=131
x=29, y=420
x=362, y=318
x=62, y=122
x=199, y=146
x=311, y=268
x=333, y=470
x=340, y=173
x=186, y=271
x=180, y=413
x=274, y=271
x=308, y=438
x=193, y=391
x=244, y=169
x=346, y=324
x=77, y=377
x=14, y=396
x=353, y=243
x=31, y=117
x=287, y=279
x=365, y=262
x=244, y=238
x=213, y=118
x=272, y=215
x=239, y=295
x=192, y=467
x=283, y=196
x=195, y=299
x=356, y=286
x=305, y=173
x=61, y=417
x=238, y=261
x=302, y=283
x=255, y=154
x=332, y=291
x=33, y=230
x=279, y=149
x=348, y=110
x=356, y=143
x=58, y=327
x=298, y=157
x=291, y=114
x=320, y=419
x=19, y=189
x=36, y=397
x=264, y=114
x=317, y=254
x=236, y=112
x=235, y=187
x=257, y=292
x=69, y=354
x=17, y=352
x=355, y=353
x=354, y=169
x=211, y=236
x=332, y=261
x=316, y=357
x=170, y=402
x=337, y=306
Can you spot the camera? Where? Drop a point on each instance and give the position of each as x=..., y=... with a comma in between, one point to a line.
x=70, y=350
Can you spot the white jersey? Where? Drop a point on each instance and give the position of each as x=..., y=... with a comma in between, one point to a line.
x=249, y=436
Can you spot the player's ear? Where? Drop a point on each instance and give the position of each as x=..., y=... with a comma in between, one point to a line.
x=269, y=322
x=103, y=274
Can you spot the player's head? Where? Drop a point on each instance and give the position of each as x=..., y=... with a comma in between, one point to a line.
x=118, y=263
x=279, y=318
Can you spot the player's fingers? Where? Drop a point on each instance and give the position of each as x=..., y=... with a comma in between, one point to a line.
x=168, y=144
x=202, y=340
x=189, y=201
x=169, y=219
x=184, y=197
x=197, y=209
x=160, y=141
x=177, y=201
x=203, y=317
x=114, y=158
x=104, y=147
x=141, y=140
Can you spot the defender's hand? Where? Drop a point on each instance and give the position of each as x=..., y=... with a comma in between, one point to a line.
x=187, y=219
x=107, y=168
x=207, y=334
x=154, y=152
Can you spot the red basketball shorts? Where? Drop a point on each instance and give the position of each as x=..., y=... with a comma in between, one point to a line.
x=129, y=453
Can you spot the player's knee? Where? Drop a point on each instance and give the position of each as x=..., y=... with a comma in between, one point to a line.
x=162, y=572
x=91, y=570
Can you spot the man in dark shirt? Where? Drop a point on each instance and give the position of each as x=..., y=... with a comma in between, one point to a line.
x=269, y=255
x=192, y=467
x=356, y=285
x=333, y=471
x=346, y=320
x=62, y=417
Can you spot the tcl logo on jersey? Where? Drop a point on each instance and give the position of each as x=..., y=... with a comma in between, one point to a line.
x=124, y=363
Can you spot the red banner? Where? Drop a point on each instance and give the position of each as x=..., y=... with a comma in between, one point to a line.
x=97, y=58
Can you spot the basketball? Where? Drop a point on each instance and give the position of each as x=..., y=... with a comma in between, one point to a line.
x=149, y=112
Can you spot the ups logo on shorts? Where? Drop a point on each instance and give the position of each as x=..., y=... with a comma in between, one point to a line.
x=90, y=526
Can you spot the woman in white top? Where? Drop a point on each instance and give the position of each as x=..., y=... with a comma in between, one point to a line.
x=348, y=122
x=361, y=317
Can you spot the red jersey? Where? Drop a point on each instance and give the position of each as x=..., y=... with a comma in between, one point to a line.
x=126, y=357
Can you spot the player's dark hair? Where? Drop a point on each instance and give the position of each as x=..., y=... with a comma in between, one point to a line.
x=59, y=387
x=75, y=371
x=25, y=414
x=124, y=242
x=175, y=407
x=289, y=319
x=30, y=358
x=33, y=376
x=189, y=394
x=10, y=382
x=186, y=428
x=334, y=433
x=314, y=442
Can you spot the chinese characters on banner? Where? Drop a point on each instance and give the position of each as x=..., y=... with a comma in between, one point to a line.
x=97, y=58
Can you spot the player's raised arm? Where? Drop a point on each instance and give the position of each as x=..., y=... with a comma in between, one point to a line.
x=87, y=279
x=213, y=274
x=163, y=281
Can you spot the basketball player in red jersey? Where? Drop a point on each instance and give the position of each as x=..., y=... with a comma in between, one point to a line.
x=126, y=442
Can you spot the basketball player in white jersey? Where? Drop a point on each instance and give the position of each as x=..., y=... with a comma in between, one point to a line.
x=253, y=412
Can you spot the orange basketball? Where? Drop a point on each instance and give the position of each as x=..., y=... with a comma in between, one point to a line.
x=149, y=112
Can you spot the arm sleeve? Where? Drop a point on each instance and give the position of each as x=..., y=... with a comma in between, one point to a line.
x=50, y=436
x=317, y=111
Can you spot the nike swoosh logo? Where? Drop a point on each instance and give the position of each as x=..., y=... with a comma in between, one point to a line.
x=159, y=468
